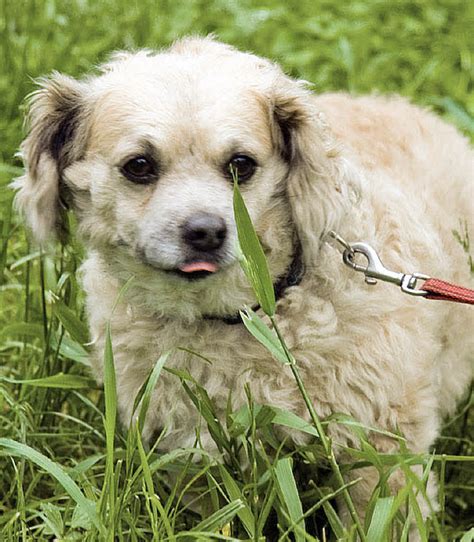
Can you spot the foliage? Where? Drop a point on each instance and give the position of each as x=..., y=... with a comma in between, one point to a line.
x=67, y=471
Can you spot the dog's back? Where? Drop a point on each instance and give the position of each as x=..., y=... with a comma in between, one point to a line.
x=418, y=175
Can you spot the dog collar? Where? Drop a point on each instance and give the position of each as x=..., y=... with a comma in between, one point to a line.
x=293, y=277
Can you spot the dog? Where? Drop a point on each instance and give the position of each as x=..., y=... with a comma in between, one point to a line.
x=143, y=154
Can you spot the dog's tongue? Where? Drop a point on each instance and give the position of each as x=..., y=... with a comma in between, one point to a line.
x=198, y=266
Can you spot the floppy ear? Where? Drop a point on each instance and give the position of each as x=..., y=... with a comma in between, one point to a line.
x=322, y=182
x=55, y=140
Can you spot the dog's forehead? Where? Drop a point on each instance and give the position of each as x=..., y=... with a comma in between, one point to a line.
x=180, y=100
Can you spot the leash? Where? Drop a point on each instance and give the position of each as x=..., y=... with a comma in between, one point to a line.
x=431, y=288
x=374, y=270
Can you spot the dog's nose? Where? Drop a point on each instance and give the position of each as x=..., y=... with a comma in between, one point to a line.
x=204, y=231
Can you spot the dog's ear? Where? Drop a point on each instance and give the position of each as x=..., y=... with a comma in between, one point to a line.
x=322, y=183
x=55, y=140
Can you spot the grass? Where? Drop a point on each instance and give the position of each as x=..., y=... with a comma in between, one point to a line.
x=68, y=470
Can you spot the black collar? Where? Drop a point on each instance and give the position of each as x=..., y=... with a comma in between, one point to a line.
x=293, y=277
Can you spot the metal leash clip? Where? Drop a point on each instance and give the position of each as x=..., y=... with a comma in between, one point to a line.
x=375, y=270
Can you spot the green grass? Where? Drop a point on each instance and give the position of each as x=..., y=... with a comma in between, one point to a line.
x=68, y=471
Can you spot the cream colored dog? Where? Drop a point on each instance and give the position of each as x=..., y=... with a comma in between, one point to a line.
x=142, y=154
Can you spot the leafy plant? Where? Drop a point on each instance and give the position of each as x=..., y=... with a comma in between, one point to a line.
x=68, y=471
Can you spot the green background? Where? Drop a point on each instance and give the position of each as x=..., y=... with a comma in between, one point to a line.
x=421, y=49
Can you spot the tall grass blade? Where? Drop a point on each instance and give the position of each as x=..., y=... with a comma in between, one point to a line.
x=150, y=385
x=24, y=329
x=156, y=505
x=468, y=537
x=264, y=335
x=110, y=392
x=60, y=380
x=218, y=519
x=245, y=513
x=381, y=519
x=254, y=262
x=69, y=348
x=77, y=329
x=252, y=246
x=280, y=417
x=205, y=407
x=288, y=493
x=23, y=450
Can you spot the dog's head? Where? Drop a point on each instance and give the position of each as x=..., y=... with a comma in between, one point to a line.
x=142, y=153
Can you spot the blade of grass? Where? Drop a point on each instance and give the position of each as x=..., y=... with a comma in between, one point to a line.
x=381, y=518
x=110, y=392
x=337, y=526
x=264, y=335
x=150, y=385
x=56, y=471
x=263, y=283
x=60, y=380
x=280, y=417
x=77, y=329
x=110, y=422
x=253, y=260
x=234, y=493
x=204, y=405
x=288, y=493
x=25, y=329
x=69, y=348
x=220, y=518
x=157, y=507
x=468, y=537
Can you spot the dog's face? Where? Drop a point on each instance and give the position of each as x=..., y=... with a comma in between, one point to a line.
x=144, y=152
x=165, y=132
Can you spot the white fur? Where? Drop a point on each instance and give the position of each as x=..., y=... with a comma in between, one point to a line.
x=375, y=169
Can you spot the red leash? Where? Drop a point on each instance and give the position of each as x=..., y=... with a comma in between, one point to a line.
x=440, y=289
x=375, y=270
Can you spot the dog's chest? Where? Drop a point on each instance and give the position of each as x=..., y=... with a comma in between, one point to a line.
x=222, y=359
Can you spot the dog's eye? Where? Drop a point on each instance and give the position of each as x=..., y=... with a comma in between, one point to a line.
x=139, y=170
x=242, y=166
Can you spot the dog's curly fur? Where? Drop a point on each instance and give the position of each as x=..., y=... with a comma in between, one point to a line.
x=371, y=168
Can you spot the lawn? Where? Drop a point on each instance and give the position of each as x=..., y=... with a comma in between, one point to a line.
x=68, y=471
